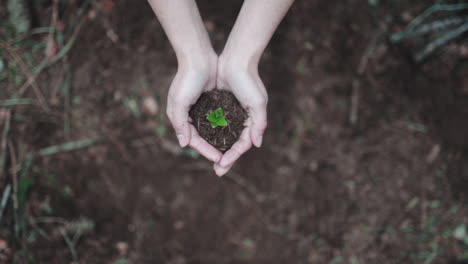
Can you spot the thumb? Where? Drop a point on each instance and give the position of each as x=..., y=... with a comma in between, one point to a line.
x=258, y=117
x=179, y=120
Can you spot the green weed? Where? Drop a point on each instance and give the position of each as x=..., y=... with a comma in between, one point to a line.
x=441, y=30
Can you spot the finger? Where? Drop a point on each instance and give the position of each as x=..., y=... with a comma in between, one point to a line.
x=240, y=147
x=203, y=147
x=219, y=170
x=179, y=119
x=258, y=117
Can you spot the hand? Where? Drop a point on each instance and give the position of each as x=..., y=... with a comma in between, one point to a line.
x=241, y=78
x=236, y=70
x=194, y=76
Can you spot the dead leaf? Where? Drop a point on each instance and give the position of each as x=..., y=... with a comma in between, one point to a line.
x=209, y=25
x=463, y=51
x=122, y=248
x=433, y=154
x=179, y=224
x=3, y=245
x=92, y=14
x=150, y=106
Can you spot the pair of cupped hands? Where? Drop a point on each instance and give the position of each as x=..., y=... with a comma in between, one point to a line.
x=203, y=71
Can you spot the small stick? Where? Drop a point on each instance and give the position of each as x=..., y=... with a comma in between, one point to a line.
x=231, y=131
x=435, y=8
x=53, y=23
x=14, y=174
x=15, y=101
x=6, y=194
x=3, y=146
x=48, y=62
x=68, y=146
x=70, y=244
x=48, y=220
x=31, y=79
x=353, y=113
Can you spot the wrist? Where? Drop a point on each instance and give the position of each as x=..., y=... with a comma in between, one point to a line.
x=239, y=60
x=201, y=60
x=231, y=62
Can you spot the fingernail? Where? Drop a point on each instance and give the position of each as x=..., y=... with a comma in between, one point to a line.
x=259, y=141
x=216, y=159
x=220, y=172
x=181, y=139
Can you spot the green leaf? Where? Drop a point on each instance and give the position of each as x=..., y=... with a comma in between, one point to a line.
x=212, y=117
x=216, y=118
x=222, y=122
x=219, y=113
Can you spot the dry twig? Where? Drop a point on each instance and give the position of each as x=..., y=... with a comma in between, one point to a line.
x=3, y=144
x=14, y=174
x=30, y=77
x=46, y=62
x=353, y=114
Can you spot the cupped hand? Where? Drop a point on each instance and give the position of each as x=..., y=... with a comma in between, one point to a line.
x=243, y=80
x=194, y=76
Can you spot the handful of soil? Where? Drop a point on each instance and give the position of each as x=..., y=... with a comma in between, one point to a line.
x=221, y=137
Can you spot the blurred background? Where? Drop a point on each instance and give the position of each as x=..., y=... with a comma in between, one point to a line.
x=365, y=159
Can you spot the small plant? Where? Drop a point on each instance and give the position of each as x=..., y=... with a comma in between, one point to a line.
x=216, y=118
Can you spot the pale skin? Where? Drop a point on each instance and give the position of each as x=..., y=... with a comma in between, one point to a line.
x=200, y=69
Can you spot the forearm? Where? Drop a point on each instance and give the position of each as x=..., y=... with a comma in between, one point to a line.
x=255, y=25
x=184, y=27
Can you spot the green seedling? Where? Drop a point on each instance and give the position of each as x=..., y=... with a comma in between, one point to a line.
x=216, y=118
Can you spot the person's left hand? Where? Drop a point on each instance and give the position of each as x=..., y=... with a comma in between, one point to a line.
x=241, y=78
x=193, y=77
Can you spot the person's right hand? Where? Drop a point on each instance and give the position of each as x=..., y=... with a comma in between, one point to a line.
x=239, y=74
x=194, y=76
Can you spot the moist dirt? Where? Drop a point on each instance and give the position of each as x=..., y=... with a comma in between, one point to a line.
x=221, y=137
x=364, y=158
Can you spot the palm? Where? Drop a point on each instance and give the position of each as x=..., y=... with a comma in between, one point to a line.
x=185, y=89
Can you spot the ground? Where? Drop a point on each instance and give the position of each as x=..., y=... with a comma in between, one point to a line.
x=364, y=159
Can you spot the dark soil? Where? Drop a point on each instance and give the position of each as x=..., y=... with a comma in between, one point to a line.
x=220, y=137
x=388, y=188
